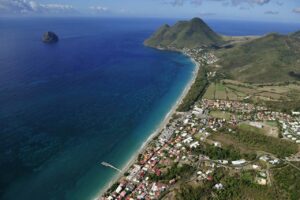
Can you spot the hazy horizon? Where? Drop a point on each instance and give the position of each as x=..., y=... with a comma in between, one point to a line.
x=246, y=10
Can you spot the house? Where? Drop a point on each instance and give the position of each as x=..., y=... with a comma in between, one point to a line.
x=264, y=158
x=184, y=134
x=263, y=174
x=178, y=145
x=188, y=140
x=186, y=121
x=262, y=181
x=224, y=162
x=119, y=188
x=274, y=162
x=123, y=194
x=217, y=144
x=194, y=145
x=196, y=108
x=255, y=167
x=219, y=186
x=238, y=162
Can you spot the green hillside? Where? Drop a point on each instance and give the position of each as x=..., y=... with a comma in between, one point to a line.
x=272, y=58
x=296, y=35
x=190, y=34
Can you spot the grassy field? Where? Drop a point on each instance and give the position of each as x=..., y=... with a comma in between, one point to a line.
x=249, y=62
x=210, y=92
x=269, y=128
x=221, y=91
x=221, y=115
x=270, y=95
x=272, y=123
x=233, y=90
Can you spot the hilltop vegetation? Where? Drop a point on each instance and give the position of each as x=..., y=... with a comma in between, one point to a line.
x=272, y=58
x=296, y=35
x=189, y=34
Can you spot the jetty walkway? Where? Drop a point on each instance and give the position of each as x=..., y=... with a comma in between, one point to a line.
x=111, y=166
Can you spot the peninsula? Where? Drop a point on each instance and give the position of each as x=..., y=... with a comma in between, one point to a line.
x=236, y=133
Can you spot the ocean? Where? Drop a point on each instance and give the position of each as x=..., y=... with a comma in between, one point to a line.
x=95, y=96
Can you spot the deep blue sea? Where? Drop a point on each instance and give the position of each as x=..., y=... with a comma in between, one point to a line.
x=94, y=96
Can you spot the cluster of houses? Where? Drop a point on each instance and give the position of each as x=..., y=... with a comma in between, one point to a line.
x=231, y=106
x=291, y=129
x=289, y=124
x=173, y=145
x=170, y=147
x=270, y=159
x=200, y=55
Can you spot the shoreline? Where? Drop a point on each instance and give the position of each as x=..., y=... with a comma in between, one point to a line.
x=161, y=126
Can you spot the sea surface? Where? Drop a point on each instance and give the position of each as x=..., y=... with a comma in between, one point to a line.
x=95, y=96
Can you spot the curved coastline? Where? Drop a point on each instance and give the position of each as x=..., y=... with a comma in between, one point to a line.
x=162, y=125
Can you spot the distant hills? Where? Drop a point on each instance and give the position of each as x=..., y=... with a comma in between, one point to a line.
x=190, y=34
x=266, y=59
x=271, y=58
x=296, y=35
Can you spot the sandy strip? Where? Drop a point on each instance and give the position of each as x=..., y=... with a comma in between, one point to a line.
x=154, y=134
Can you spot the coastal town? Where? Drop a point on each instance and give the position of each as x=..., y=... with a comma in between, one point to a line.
x=210, y=139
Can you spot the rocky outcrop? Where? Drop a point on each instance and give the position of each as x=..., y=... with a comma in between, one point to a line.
x=50, y=37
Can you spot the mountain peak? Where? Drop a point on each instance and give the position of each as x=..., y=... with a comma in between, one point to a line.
x=197, y=20
x=190, y=34
x=296, y=34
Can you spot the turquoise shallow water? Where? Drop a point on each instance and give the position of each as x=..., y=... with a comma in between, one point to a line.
x=95, y=96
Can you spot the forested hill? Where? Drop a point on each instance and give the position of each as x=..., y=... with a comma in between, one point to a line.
x=272, y=58
x=189, y=34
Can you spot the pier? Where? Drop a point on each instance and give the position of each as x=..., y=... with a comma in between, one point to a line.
x=111, y=166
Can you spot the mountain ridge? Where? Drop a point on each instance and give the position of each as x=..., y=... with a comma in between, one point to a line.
x=270, y=58
x=190, y=34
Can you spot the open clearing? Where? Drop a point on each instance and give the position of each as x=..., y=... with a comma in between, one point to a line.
x=269, y=128
x=234, y=90
x=221, y=115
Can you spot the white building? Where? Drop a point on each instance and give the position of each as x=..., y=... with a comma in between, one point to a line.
x=238, y=162
x=188, y=140
x=194, y=145
x=219, y=186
